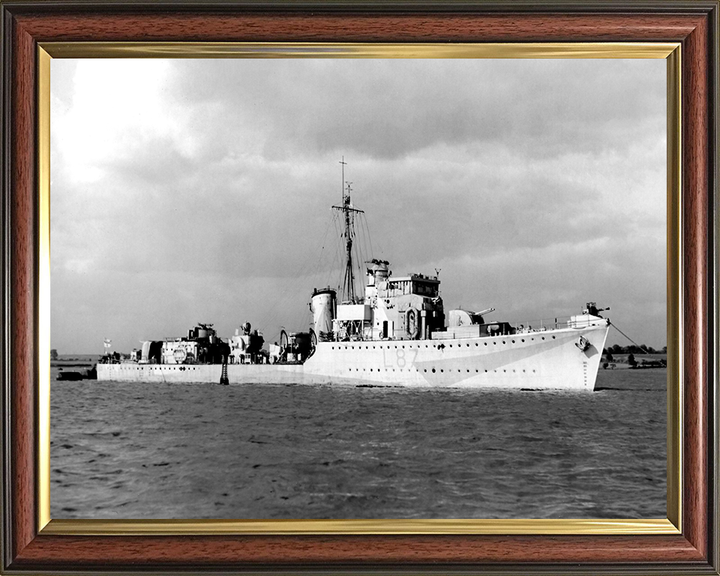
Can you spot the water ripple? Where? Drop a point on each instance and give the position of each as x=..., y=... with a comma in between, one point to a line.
x=133, y=450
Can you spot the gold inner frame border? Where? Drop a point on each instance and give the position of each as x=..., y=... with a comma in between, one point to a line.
x=670, y=51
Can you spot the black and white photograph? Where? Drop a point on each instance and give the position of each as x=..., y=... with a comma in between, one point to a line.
x=358, y=288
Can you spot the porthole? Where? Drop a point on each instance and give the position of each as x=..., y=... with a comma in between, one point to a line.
x=504, y=342
x=513, y=341
x=433, y=370
x=523, y=340
x=425, y=370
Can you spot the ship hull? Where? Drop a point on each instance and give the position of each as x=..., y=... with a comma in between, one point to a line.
x=549, y=360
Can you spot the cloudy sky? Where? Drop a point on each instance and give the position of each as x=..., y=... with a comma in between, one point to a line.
x=189, y=191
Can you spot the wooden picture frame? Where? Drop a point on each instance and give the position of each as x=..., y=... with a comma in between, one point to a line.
x=32, y=545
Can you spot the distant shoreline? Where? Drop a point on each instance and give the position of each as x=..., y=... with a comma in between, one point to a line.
x=75, y=360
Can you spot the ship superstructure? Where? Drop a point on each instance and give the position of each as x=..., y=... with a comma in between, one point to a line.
x=396, y=333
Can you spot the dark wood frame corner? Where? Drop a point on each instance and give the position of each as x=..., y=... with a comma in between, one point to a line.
x=694, y=24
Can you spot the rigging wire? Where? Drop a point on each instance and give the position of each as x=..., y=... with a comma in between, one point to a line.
x=358, y=259
x=366, y=244
x=340, y=271
x=287, y=294
x=628, y=337
x=319, y=262
x=303, y=315
x=367, y=254
x=369, y=236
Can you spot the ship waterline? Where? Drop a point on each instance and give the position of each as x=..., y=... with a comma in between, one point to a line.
x=549, y=359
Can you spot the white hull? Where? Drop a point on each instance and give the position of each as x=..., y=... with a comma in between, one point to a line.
x=547, y=360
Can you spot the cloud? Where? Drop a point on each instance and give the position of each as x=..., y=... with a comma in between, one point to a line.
x=392, y=108
x=184, y=189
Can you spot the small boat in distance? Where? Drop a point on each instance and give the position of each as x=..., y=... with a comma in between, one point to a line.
x=397, y=333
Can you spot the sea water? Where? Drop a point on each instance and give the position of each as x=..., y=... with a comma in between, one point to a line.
x=137, y=450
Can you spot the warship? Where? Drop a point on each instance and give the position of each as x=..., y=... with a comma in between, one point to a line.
x=395, y=333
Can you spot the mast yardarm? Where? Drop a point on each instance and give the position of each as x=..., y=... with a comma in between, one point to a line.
x=348, y=287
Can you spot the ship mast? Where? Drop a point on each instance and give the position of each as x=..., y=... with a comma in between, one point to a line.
x=348, y=287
